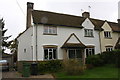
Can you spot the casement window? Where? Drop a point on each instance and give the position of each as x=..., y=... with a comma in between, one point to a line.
x=50, y=30
x=50, y=53
x=107, y=34
x=88, y=33
x=109, y=48
x=89, y=51
x=74, y=53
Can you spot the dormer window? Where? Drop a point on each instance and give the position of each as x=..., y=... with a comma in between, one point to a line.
x=107, y=34
x=88, y=33
x=50, y=30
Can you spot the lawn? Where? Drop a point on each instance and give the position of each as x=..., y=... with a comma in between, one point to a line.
x=107, y=71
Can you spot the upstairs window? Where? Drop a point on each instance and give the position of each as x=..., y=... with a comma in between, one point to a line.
x=107, y=34
x=50, y=30
x=88, y=33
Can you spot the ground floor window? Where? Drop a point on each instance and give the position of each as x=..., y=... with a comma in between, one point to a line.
x=74, y=53
x=50, y=53
x=89, y=51
x=109, y=48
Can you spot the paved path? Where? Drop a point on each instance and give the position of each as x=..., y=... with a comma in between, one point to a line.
x=14, y=74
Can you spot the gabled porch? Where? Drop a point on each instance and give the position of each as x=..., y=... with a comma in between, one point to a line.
x=73, y=48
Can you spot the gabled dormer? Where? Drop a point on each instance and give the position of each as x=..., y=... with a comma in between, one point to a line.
x=107, y=30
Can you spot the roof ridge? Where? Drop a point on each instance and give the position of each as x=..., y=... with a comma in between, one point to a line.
x=59, y=13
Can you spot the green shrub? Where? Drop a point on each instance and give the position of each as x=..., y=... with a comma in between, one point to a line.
x=73, y=67
x=112, y=57
x=49, y=66
x=94, y=60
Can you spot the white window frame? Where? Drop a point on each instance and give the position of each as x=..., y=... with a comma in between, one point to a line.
x=89, y=51
x=50, y=30
x=48, y=57
x=88, y=32
x=109, y=48
x=107, y=34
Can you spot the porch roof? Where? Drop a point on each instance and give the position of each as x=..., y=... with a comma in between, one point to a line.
x=73, y=45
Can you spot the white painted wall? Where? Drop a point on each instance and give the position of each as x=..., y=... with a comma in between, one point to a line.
x=63, y=33
x=25, y=42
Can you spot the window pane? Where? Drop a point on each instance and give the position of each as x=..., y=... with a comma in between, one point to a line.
x=45, y=29
x=87, y=52
x=54, y=30
x=93, y=51
x=85, y=32
x=71, y=54
x=50, y=55
x=50, y=50
x=91, y=33
x=54, y=54
x=45, y=53
x=50, y=30
x=78, y=54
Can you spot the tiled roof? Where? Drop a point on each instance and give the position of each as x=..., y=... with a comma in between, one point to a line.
x=114, y=26
x=52, y=18
x=45, y=17
x=73, y=45
x=97, y=23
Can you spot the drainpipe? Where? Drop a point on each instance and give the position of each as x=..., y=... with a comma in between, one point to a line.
x=34, y=43
x=100, y=42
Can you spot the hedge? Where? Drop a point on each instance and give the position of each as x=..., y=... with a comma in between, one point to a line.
x=112, y=57
x=49, y=66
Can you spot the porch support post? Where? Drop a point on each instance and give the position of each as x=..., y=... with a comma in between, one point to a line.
x=65, y=57
x=83, y=57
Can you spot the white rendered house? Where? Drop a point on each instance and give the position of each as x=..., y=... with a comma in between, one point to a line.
x=58, y=36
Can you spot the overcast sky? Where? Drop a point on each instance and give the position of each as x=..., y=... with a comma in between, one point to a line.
x=14, y=11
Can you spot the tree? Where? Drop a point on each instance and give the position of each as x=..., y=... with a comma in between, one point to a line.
x=4, y=43
x=13, y=48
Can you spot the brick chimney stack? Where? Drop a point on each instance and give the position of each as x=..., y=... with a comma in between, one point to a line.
x=86, y=14
x=30, y=6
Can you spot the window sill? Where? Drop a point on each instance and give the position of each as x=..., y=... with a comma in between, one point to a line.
x=48, y=34
x=108, y=38
x=49, y=59
x=89, y=36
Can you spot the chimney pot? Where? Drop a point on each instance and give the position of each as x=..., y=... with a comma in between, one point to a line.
x=30, y=5
x=86, y=14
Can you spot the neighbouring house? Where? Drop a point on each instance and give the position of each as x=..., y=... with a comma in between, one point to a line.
x=51, y=36
x=109, y=36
